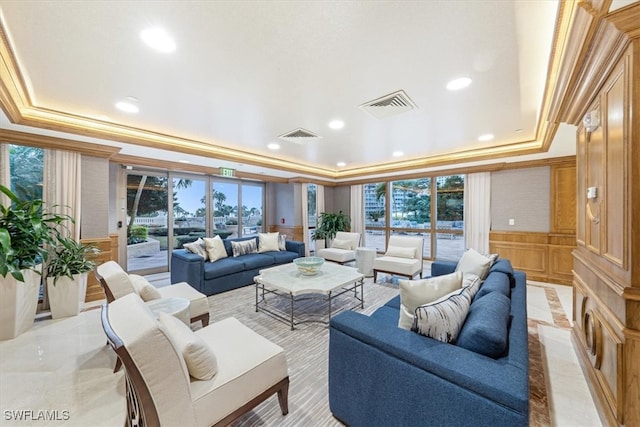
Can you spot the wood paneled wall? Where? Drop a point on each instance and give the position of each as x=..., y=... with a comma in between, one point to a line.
x=606, y=263
x=544, y=257
x=108, y=251
x=292, y=232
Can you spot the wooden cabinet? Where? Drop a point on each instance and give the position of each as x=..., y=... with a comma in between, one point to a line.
x=108, y=251
x=606, y=262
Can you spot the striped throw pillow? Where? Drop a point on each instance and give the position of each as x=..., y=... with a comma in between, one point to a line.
x=244, y=247
x=443, y=319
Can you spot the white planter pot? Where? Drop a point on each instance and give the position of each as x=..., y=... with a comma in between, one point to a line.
x=18, y=303
x=66, y=297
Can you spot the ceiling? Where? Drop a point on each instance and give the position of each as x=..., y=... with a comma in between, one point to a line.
x=245, y=72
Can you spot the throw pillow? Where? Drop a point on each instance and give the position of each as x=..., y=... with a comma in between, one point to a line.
x=244, y=247
x=268, y=242
x=401, y=252
x=282, y=242
x=475, y=263
x=492, y=258
x=143, y=288
x=486, y=329
x=341, y=244
x=414, y=293
x=200, y=359
x=443, y=319
x=197, y=247
x=215, y=248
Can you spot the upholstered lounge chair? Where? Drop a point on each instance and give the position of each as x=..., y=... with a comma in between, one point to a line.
x=159, y=388
x=117, y=283
x=343, y=248
x=403, y=257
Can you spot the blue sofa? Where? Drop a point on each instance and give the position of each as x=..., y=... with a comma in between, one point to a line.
x=381, y=375
x=228, y=273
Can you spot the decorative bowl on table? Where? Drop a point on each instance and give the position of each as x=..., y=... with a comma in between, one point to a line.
x=309, y=266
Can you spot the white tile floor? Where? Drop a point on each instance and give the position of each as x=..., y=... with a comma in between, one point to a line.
x=62, y=369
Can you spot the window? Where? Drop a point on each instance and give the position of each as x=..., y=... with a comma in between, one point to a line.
x=225, y=208
x=375, y=196
x=26, y=168
x=147, y=209
x=411, y=210
x=450, y=216
x=251, y=209
x=406, y=207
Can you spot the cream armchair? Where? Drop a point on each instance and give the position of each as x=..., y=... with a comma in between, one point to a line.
x=403, y=257
x=238, y=369
x=343, y=248
x=117, y=283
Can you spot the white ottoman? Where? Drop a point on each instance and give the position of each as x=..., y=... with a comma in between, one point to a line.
x=365, y=258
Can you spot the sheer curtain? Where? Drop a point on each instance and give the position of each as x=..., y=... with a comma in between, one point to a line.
x=305, y=217
x=62, y=189
x=357, y=212
x=5, y=173
x=477, y=211
x=319, y=199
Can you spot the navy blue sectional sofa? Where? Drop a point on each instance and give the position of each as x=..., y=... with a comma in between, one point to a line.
x=381, y=375
x=228, y=273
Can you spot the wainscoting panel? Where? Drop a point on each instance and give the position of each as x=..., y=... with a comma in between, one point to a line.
x=544, y=257
x=293, y=232
x=108, y=252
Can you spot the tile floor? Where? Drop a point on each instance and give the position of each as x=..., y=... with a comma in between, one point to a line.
x=60, y=371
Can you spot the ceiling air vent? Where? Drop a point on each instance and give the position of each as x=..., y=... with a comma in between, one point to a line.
x=299, y=136
x=389, y=105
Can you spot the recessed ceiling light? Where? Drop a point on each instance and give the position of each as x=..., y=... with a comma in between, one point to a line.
x=158, y=39
x=486, y=137
x=341, y=164
x=458, y=84
x=518, y=130
x=184, y=161
x=127, y=107
x=397, y=154
x=273, y=146
x=336, y=124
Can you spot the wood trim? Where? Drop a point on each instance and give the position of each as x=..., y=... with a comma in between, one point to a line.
x=542, y=256
x=44, y=141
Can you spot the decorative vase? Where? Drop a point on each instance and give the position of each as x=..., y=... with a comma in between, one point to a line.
x=66, y=297
x=18, y=303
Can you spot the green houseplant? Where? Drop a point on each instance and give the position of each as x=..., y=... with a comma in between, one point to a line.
x=25, y=229
x=67, y=270
x=329, y=224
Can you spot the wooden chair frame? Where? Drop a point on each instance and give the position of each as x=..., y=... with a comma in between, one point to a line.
x=141, y=410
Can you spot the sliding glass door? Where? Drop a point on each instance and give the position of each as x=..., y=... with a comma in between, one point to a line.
x=165, y=211
x=147, y=210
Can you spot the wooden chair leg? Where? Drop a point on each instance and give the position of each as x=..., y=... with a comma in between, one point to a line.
x=283, y=398
x=118, y=365
x=375, y=276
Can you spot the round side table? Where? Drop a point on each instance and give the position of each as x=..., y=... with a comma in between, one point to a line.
x=364, y=260
x=177, y=307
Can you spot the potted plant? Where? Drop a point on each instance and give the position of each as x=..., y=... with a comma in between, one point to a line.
x=66, y=276
x=329, y=224
x=25, y=228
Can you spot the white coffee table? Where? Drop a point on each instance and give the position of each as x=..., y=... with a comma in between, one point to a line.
x=286, y=281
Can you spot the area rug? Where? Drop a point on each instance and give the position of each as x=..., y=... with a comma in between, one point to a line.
x=307, y=348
